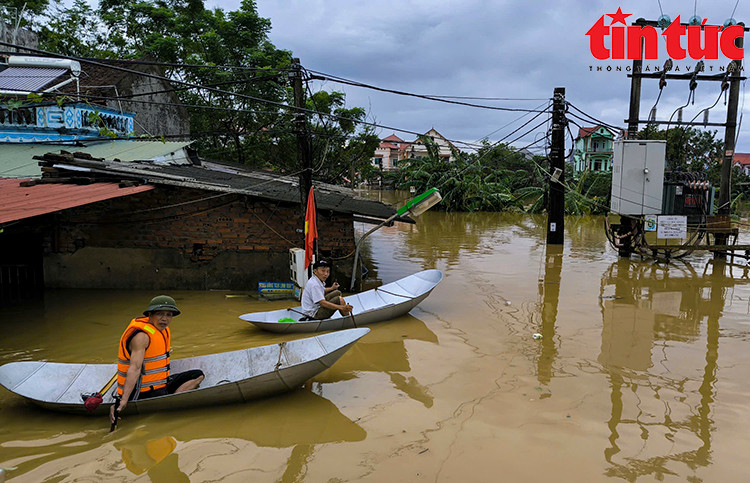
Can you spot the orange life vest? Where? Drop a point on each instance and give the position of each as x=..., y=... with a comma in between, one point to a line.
x=155, y=368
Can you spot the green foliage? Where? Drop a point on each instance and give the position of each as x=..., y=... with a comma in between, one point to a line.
x=688, y=149
x=74, y=30
x=23, y=10
x=467, y=184
x=187, y=34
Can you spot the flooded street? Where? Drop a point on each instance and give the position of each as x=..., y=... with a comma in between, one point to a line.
x=640, y=374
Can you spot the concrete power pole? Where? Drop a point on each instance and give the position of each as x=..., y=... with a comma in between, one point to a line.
x=304, y=154
x=730, y=133
x=556, y=199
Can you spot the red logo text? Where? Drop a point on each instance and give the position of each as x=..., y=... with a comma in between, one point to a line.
x=702, y=41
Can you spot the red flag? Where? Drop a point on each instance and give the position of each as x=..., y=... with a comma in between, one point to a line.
x=311, y=228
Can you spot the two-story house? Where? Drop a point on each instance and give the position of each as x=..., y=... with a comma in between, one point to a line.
x=742, y=160
x=445, y=148
x=393, y=150
x=593, y=149
x=390, y=151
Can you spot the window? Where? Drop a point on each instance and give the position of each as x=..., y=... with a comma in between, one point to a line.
x=378, y=162
x=598, y=165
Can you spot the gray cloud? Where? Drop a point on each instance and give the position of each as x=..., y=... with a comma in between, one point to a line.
x=493, y=48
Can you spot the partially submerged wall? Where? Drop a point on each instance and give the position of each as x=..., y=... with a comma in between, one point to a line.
x=178, y=238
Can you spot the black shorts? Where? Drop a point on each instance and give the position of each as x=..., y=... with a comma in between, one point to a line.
x=174, y=381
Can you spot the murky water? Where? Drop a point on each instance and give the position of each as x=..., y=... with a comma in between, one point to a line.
x=640, y=375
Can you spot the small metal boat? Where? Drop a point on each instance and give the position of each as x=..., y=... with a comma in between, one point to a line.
x=230, y=377
x=382, y=303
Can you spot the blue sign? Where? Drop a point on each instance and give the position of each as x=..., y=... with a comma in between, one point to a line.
x=265, y=288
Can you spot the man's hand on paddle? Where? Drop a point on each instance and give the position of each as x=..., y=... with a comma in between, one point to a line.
x=122, y=405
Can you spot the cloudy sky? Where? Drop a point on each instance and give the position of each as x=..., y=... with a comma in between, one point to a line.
x=485, y=48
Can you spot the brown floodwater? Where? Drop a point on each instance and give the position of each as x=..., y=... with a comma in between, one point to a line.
x=640, y=374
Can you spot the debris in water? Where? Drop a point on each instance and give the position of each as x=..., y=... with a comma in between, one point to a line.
x=507, y=302
x=536, y=336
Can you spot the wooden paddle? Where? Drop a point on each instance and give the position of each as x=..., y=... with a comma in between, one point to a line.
x=117, y=414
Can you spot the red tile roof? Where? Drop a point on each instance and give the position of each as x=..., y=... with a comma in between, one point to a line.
x=17, y=202
x=393, y=138
x=587, y=131
x=741, y=158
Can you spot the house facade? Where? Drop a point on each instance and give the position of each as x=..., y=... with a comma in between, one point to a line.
x=742, y=161
x=417, y=149
x=393, y=150
x=96, y=223
x=121, y=85
x=593, y=149
x=390, y=151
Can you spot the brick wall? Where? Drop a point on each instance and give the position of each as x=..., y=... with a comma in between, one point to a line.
x=186, y=230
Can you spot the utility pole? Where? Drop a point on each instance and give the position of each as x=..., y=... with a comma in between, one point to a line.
x=304, y=154
x=635, y=94
x=556, y=199
x=725, y=186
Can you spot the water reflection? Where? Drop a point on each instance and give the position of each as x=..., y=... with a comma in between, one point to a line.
x=646, y=310
x=142, y=454
x=151, y=444
x=549, y=292
x=384, y=350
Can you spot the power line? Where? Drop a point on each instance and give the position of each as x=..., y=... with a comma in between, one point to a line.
x=199, y=66
x=324, y=76
x=588, y=121
x=593, y=118
x=176, y=89
x=490, y=98
x=243, y=96
x=516, y=119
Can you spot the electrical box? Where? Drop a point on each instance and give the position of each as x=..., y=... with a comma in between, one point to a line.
x=297, y=271
x=638, y=177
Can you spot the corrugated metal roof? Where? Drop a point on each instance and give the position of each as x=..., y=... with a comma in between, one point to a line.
x=19, y=202
x=215, y=177
x=24, y=79
x=16, y=160
x=130, y=150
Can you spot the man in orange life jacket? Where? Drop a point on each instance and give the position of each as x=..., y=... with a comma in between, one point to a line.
x=143, y=357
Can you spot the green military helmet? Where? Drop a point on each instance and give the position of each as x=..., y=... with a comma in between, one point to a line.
x=162, y=302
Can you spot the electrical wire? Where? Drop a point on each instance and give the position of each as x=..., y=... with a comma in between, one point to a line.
x=490, y=98
x=708, y=108
x=200, y=66
x=610, y=126
x=219, y=91
x=350, y=82
x=690, y=96
x=547, y=103
x=735, y=9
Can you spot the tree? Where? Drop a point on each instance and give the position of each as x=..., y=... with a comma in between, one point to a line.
x=341, y=146
x=466, y=184
x=688, y=149
x=243, y=112
x=22, y=11
x=75, y=31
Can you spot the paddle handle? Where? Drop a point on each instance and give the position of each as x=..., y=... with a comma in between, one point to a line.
x=109, y=384
x=117, y=414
